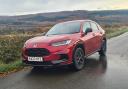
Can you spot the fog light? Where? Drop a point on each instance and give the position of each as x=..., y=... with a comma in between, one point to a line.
x=58, y=61
x=63, y=57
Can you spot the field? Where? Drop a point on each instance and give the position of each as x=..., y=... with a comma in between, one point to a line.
x=10, y=47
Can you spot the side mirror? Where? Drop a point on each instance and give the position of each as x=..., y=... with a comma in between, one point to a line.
x=88, y=30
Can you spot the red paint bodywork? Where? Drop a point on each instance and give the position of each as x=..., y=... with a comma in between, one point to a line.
x=91, y=42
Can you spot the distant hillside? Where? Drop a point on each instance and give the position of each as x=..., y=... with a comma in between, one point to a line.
x=25, y=22
x=111, y=16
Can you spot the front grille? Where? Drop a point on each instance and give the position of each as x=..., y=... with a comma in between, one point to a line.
x=45, y=63
x=37, y=52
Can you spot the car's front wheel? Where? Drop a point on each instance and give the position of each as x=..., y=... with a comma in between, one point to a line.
x=78, y=59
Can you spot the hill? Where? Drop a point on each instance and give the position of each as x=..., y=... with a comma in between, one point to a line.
x=32, y=21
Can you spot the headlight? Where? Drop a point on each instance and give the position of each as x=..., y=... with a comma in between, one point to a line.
x=65, y=42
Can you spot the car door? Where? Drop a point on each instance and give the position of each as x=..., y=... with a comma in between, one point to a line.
x=97, y=39
x=88, y=39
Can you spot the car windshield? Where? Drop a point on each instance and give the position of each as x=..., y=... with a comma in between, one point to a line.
x=65, y=28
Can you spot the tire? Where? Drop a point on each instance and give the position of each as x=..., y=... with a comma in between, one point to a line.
x=103, y=49
x=78, y=59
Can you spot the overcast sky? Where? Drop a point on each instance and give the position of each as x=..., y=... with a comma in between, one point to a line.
x=20, y=7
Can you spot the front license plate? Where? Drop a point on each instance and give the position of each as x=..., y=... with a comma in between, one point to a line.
x=38, y=59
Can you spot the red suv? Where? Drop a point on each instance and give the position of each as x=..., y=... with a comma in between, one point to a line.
x=67, y=43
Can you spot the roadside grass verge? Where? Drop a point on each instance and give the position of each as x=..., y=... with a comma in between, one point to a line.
x=113, y=32
x=10, y=48
x=12, y=67
x=10, y=52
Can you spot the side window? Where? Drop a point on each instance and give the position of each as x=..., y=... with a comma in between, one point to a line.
x=86, y=25
x=94, y=27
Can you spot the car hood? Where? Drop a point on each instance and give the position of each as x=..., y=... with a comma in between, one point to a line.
x=53, y=38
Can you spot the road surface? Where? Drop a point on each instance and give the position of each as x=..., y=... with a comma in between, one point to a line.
x=109, y=73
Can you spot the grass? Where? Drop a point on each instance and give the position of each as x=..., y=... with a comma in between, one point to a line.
x=10, y=48
x=115, y=32
x=14, y=66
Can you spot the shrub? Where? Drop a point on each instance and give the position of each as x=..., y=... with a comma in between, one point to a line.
x=10, y=47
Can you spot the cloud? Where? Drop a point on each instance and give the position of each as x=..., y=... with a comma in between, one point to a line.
x=13, y=7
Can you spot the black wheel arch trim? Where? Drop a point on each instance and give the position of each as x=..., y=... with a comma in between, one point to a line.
x=79, y=44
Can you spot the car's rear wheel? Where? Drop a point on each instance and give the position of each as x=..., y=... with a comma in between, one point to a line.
x=78, y=59
x=103, y=49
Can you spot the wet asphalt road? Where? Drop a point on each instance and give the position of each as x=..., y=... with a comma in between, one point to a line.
x=109, y=73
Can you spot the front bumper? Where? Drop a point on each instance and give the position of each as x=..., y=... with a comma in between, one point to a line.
x=56, y=58
x=45, y=63
x=60, y=59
